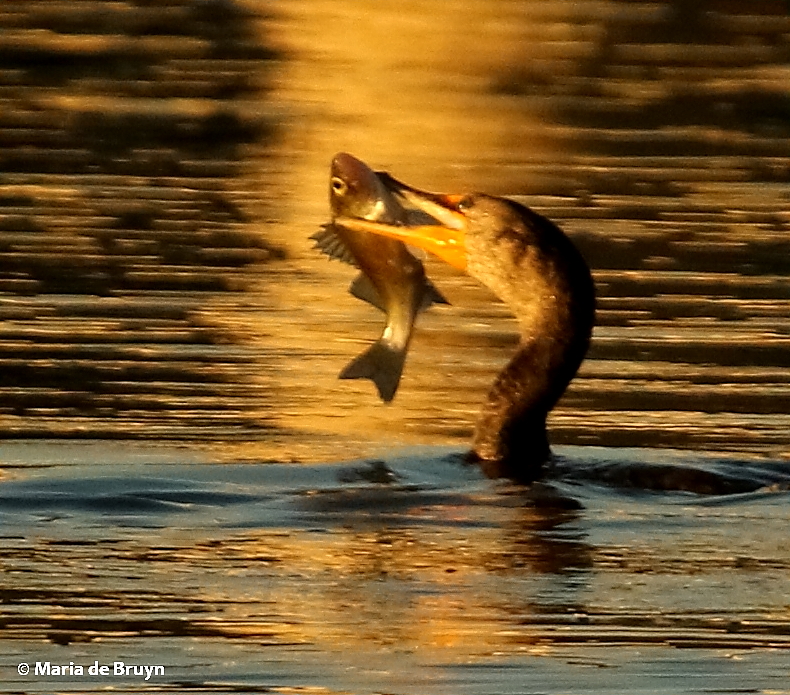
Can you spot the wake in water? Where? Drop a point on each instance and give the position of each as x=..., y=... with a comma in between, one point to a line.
x=270, y=495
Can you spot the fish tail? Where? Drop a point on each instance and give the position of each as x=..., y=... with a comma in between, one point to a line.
x=382, y=364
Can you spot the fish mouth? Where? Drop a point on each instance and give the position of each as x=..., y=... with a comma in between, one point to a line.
x=446, y=239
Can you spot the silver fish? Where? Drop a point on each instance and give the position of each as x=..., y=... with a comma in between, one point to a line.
x=392, y=279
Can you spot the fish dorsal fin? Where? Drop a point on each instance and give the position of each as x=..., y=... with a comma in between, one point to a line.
x=328, y=242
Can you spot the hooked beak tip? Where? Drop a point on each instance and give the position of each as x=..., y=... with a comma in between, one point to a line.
x=450, y=200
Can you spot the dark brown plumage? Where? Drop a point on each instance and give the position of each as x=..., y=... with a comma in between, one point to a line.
x=531, y=265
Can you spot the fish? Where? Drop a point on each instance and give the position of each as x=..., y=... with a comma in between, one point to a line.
x=392, y=278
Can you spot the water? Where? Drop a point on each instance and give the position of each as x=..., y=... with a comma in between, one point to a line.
x=356, y=577
x=186, y=483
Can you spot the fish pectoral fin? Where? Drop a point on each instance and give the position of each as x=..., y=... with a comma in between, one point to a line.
x=362, y=288
x=380, y=363
x=329, y=242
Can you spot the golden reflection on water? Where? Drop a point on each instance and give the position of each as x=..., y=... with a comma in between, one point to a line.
x=434, y=590
x=401, y=85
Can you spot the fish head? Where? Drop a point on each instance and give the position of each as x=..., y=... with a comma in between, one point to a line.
x=355, y=190
x=444, y=236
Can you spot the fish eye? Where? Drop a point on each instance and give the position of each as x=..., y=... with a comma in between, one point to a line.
x=338, y=186
x=465, y=203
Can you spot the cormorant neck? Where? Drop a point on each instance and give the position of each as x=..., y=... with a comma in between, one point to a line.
x=538, y=272
x=510, y=435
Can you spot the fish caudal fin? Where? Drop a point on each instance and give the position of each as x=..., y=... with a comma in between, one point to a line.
x=382, y=364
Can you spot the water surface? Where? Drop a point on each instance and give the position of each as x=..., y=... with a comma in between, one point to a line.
x=185, y=482
x=411, y=577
